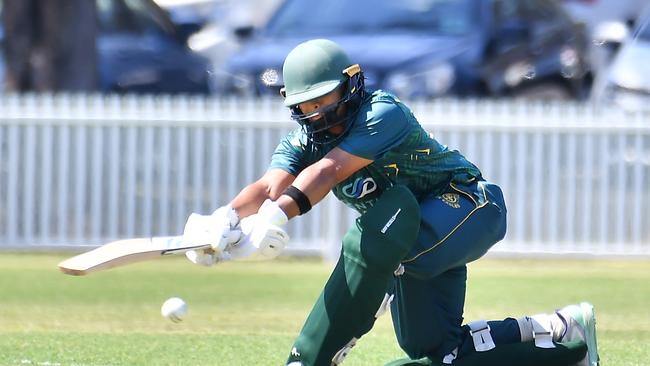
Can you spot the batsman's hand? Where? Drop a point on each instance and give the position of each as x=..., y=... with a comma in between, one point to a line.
x=220, y=229
x=263, y=235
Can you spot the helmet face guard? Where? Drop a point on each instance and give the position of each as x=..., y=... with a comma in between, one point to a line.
x=316, y=124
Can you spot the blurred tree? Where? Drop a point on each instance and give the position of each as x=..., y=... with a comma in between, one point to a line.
x=49, y=45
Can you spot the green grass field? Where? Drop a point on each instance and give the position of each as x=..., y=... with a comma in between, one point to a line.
x=249, y=313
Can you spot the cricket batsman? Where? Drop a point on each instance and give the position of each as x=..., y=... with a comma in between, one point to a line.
x=425, y=212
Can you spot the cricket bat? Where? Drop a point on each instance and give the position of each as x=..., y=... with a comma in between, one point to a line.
x=123, y=252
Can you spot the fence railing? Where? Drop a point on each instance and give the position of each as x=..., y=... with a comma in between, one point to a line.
x=85, y=169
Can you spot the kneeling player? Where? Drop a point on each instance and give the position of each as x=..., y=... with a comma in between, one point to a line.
x=426, y=212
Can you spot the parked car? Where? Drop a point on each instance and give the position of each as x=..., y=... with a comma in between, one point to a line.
x=427, y=48
x=140, y=50
x=608, y=22
x=189, y=11
x=594, y=12
x=227, y=27
x=2, y=61
x=626, y=82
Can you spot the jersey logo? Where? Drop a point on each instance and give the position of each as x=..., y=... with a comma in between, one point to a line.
x=359, y=188
x=451, y=199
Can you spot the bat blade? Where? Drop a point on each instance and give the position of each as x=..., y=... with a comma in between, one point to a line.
x=123, y=252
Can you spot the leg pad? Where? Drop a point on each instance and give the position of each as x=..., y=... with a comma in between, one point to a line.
x=515, y=354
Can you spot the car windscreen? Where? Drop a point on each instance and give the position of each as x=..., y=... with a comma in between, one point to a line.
x=316, y=17
x=132, y=16
x=644, y=31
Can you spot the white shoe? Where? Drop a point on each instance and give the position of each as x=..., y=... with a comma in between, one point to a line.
x=580, y=324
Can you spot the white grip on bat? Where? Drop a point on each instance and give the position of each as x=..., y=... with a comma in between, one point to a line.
x=202, y=257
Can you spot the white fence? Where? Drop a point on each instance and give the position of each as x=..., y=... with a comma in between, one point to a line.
x=82, y=170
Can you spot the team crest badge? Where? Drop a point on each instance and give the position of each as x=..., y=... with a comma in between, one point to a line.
x=451, y=199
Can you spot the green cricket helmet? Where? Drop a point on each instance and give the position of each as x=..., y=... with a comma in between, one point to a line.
x=312, y=70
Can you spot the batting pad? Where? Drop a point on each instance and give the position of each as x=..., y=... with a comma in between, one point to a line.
x=372, y=250
x=514, y=354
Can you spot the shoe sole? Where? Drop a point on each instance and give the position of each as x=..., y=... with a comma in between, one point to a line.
x=590, y=332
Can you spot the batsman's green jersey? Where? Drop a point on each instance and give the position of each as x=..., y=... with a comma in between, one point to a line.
x=387, y=132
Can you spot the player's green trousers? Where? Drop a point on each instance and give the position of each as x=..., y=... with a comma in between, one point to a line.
x=433, y=240
x=457, y=227
x=354, y=292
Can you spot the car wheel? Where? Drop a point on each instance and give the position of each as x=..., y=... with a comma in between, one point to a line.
x=548, y=91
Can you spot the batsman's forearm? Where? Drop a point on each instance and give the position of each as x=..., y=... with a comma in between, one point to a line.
x=319, y=178
x=315, y=182
x=315, y=193
x=249, y=199
x=269, y=186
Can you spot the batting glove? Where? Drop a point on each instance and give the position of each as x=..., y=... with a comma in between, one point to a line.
x=220, y=229
x=263, y=235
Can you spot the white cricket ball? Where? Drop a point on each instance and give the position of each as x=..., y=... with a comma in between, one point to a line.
x=174, y=309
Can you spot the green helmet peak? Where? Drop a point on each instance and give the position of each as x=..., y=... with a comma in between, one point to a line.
x=313, y=69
